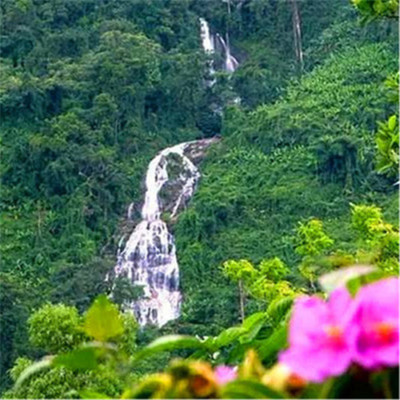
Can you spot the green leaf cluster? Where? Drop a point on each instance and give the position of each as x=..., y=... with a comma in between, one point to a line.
x=75, y=363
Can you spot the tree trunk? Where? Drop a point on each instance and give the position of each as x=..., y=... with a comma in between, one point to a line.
x=297, y=33
x=241, y=300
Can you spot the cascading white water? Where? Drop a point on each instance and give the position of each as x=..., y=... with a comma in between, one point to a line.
x=208, y=43
x=149, y=258
x=231, y=63
x=207, y=39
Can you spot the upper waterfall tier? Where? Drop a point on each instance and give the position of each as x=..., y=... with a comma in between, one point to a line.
x=212, y=43
x=207, y=39
x=231, y=63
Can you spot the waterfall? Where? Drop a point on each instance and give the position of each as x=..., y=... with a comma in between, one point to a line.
x=149, y=257
x=208, y=43
x=207, y=39
x=231, y=63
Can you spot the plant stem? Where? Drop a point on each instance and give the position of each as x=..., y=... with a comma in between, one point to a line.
x=386, y=387
x=326, y=388
x=241, y=300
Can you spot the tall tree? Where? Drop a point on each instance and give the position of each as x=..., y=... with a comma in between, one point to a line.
x=297, y=32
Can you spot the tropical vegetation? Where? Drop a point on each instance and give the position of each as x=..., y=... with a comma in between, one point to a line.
x=288, y=250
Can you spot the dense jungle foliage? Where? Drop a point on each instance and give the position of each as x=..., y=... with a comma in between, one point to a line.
x=306, y=168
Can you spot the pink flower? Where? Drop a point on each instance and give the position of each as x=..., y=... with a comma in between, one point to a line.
x=318, y=334
x=224, y=374
x=375, y=332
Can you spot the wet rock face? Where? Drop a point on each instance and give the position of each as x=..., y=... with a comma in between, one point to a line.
x=196, y=151
x=149, y=257
x=178, y=176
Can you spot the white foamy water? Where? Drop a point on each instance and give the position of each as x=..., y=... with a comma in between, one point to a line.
x=231, y=63
x=149, y=258
x=207, y=39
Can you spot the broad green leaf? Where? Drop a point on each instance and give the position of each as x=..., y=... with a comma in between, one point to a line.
x=77, y=360
x=253, y=325
x=339, y=278
x=227, y=336
x=392, y=122
x=253, y=319
x=102, y=321
x=275, y=342
x=32, y=370
x=200, y=354
x=168, y=343
x=311, y=391
x=247, y=389
x=353, y=285
x=90, y=394
x=279, y=307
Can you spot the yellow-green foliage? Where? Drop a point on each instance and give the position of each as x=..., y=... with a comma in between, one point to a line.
x=387, y=143
x=239, y=270
x=312, y=240
x=102, y=321
x=379, y=240
x=264, y=282
x=371, y=9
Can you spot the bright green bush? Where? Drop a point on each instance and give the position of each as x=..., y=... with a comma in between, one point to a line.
x=55, y=328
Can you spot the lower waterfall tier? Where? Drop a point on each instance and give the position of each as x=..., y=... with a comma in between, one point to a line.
x=149, y=257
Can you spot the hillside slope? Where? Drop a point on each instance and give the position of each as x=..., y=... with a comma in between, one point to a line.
x=310, y=154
